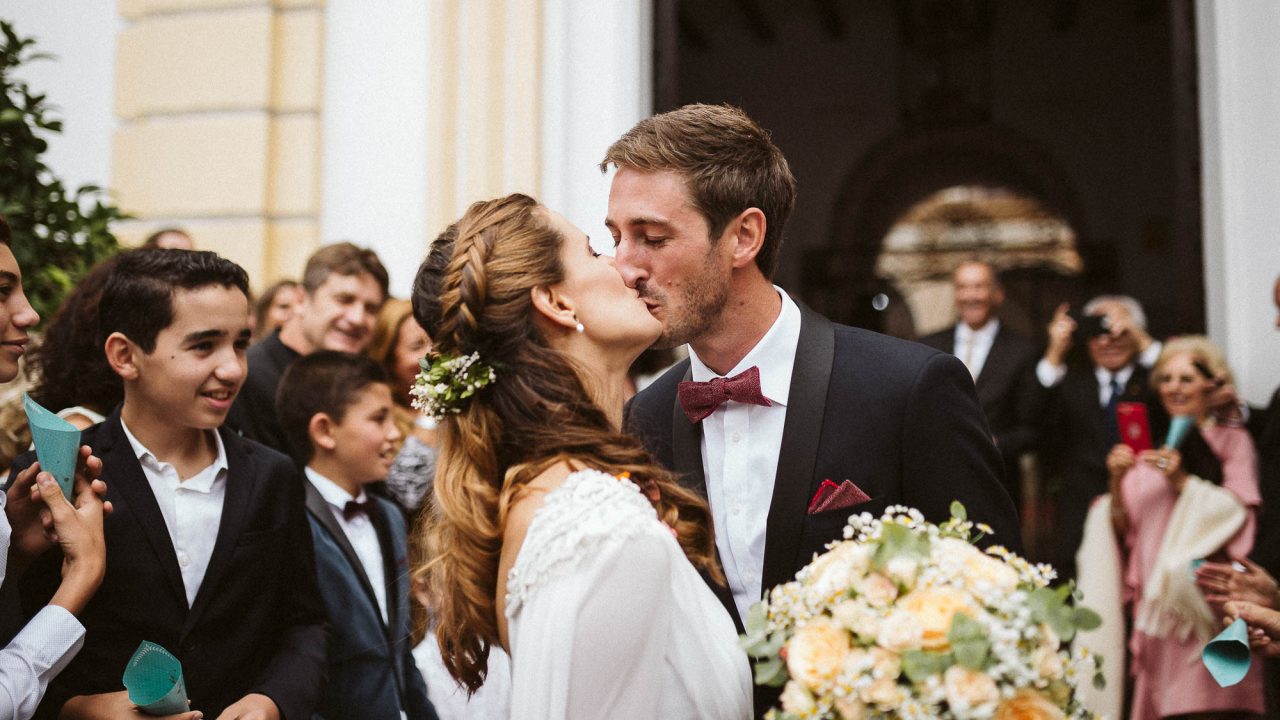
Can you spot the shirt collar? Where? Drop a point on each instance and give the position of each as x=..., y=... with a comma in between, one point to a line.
x=201, y=481
x=329, y=490
x=1121, y=376
x=775, y=354
x=988, y=330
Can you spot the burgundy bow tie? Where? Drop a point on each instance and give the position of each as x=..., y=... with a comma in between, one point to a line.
x=353, y=508
x=700, y=399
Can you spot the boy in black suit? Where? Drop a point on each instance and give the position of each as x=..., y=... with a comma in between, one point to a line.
x=335, y=413
x=208, y=551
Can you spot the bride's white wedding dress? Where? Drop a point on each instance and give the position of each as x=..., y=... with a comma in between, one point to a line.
x=608, y=619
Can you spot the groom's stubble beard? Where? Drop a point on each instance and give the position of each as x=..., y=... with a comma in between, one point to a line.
x=701, y=302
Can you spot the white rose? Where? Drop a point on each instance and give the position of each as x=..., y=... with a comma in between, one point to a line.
x=832, y=572
x=817, y=653
x=903, y=569
x=969, y=691
x=879, y=590
x=977, y=566
x=796, y=700
x=858, y=618
x=900, y=631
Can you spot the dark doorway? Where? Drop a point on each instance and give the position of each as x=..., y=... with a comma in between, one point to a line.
x=1089, y=109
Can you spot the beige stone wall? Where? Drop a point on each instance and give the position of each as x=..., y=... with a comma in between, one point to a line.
x=221, y=120
x=218, y=102
x=484, y=125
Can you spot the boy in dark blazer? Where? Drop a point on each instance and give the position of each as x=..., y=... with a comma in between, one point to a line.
x=208, y=550
x=335, y=413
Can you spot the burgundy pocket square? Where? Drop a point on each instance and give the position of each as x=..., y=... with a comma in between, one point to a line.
x=835, y=497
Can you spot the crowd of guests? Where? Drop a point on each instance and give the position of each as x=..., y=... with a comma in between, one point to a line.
x=1168, y=539
x=201, y=411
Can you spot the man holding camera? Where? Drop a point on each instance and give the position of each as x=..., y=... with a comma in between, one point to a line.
x=1078, y=426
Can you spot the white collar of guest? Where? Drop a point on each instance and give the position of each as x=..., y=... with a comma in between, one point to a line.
x=201, y=481
x=1121, y=376
x=775, y=354
x=330, y=491
x=986, y=332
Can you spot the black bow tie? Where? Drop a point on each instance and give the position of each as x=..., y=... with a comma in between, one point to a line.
x=353, y=508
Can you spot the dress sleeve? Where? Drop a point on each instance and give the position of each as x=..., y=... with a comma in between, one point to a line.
x=39, y=652
x=1240, y=476
x=591, y=643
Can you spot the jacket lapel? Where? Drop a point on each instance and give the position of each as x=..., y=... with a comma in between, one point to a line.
x=797, y=457
x=994, y=364
x=241, y=482
x=128, y=480
x=686, y=445
x=319, y=510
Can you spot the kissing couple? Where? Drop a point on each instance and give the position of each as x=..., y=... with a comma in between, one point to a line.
x=612, y=551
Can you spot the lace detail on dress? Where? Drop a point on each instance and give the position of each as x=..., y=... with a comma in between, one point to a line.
x=588, y=514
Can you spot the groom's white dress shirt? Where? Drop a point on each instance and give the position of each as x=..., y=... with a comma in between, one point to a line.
x=740, y=445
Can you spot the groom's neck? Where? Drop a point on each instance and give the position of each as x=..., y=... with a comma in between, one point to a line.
x=748, y=314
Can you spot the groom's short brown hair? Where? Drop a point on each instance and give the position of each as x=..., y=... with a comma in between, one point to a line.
x=729, y=164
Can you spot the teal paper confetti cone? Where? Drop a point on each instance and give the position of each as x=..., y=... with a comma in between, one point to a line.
x=57, y=443
x=153, y=678
x=1179, y=426
x=1227, y=656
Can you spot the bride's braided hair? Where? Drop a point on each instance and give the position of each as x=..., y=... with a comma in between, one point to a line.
x=536, y=414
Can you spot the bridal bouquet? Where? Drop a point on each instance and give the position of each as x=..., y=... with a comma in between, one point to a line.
x=907, y=619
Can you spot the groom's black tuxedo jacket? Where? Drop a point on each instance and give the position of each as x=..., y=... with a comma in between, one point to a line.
x=899, y=419
x=257, y=624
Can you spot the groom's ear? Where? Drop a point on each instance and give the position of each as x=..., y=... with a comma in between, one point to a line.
x=748, y=236
x=554, y=307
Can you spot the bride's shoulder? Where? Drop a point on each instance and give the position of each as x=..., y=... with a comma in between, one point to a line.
x=583, y=514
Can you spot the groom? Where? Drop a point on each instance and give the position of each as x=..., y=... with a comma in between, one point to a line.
x=697, y=212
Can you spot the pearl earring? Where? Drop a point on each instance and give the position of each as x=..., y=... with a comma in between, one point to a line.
x=579, y=327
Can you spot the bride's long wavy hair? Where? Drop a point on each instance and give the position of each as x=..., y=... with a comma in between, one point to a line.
x=538, y=413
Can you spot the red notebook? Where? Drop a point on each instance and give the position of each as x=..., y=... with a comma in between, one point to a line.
x=1135, y=431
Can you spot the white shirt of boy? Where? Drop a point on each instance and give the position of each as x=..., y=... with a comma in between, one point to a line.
x=192, y=508
x=360, y=532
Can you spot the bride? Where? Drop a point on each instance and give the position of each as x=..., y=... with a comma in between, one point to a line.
x=554, y=535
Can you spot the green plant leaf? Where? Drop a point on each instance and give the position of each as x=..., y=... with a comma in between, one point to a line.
x=771, y=673
x=918, y=665
x=1086, y=619
x=969, y=642
x=958, y=512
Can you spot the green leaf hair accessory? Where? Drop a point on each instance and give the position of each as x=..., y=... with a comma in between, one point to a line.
x=446, y=382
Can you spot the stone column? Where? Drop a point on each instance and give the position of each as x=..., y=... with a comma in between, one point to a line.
x=218, y=105
x=1240, y=141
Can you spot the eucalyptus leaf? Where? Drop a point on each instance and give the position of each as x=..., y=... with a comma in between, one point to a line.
x=771, y=673
x=958, y=512
x=918, y=665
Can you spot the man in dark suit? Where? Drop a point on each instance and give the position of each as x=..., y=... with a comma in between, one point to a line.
x=343, y=288
x=1001, y=361
x=784, y=398
x=335, y=411
x=1078, y=424
x=208, y=549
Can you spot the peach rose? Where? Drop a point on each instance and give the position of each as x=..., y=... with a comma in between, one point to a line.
x=1049, y=663
x=900, y=631
x=796, y=700
x=879, y=590
x=857, y=618
x=1028, y=704
x=817, y=653
x=968, y=690
x=851, y=708
x=934, y=609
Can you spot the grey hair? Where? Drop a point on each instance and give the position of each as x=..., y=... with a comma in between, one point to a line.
x=1094, y=307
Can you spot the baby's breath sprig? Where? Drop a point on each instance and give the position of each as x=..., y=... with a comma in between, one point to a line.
x=446, y=382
